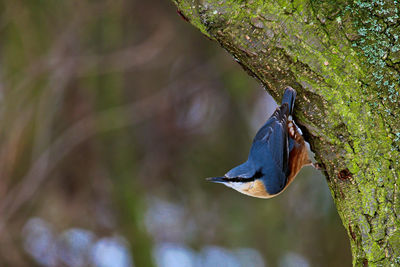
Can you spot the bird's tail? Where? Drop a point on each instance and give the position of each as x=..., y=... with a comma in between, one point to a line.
x=288, y=97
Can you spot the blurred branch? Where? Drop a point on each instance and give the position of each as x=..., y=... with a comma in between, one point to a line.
x=135, y=56
x=63, y=68
x=81, y=131
x=124, y=59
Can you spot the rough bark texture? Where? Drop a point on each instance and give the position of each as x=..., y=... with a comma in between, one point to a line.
x=343, y=58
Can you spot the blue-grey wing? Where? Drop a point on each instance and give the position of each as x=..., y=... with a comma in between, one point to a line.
x=274, y=181
x=270, y=147
x=245, y=170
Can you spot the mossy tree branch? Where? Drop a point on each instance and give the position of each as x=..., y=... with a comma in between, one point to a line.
x=343, y=59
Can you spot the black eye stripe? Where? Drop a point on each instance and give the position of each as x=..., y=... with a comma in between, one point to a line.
x=257, y=175
x=239, y=180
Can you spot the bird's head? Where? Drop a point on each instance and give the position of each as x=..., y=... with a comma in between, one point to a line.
x=253, y=181
x=254, y=187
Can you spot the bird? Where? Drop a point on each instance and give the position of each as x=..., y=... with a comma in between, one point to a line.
x=276, y=156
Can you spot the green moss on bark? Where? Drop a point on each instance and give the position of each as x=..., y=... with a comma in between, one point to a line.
x=340, y=56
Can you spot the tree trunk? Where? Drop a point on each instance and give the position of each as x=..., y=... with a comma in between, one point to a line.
x=343, y=59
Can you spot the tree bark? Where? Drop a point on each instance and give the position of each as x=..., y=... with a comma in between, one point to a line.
x=343, y=59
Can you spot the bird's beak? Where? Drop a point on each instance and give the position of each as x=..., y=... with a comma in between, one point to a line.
x=217, y=179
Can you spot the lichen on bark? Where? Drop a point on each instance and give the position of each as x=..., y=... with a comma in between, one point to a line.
x=342, y=57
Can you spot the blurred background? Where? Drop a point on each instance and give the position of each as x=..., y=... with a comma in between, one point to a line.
x=112, y=113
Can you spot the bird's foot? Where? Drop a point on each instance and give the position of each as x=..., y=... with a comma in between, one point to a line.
x=294, y=131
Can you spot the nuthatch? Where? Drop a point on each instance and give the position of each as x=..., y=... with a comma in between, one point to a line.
x=276, y=156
